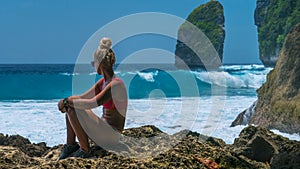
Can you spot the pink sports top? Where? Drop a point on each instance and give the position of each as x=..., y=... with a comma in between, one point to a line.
x=110, y=103
x=113, y=108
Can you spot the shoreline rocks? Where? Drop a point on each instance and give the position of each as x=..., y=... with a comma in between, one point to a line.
x=278, y=105
x=189, y=150
x=244, y=117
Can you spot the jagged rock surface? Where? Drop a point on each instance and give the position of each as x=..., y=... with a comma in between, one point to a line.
x=187, y=147
x=278, y=103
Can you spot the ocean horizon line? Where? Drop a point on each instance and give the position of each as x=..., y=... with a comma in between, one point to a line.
x=224, y=64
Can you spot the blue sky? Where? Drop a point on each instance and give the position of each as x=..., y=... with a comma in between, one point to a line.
x=54, y=31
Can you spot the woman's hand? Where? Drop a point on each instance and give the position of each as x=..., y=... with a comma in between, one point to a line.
x=61, y=106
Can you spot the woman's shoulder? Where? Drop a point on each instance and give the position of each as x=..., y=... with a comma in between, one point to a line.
x=117, y=80
x=100, y=81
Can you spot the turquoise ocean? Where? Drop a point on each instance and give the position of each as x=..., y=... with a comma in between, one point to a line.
x=160, y=95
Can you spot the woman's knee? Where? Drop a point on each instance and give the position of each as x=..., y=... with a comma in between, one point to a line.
x=71, y=112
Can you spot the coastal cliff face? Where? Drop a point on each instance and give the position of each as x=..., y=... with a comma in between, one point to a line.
x=278, y=103
x=274, y=19
x=256, y=147
x=208, y=18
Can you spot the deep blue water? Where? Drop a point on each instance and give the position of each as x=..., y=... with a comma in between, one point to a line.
x=159, y=95
x=43, y=82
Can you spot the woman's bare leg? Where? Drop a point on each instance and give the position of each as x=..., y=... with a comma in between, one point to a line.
x=70, y=133
x=99, y=131
x=78, y=130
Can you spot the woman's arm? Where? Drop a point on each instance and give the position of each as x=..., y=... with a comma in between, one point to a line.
x=94, y=90
x=96, y=101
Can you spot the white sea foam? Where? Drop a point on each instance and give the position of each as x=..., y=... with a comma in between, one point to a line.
x=69, y=74
x=242, y=80
x=37, y=120
x=40, y=121
x=93, y=73
x=148, y=76
x=242, y=67
x=234, y=76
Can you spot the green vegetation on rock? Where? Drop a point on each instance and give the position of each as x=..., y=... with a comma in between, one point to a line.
x=208, y=18
x=274, y=19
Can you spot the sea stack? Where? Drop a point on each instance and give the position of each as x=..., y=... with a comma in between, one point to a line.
x=274, y=20
x=278, y=105
x=209, y=20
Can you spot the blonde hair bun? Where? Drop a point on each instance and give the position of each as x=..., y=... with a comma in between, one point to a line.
x=105, y=43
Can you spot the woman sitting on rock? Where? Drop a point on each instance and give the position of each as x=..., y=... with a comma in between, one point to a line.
x=110, y=92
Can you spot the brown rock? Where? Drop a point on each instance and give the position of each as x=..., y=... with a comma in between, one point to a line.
x=260, y=144
x=24, y=144
x=286, y=160
x=239, y=119
x=260, y=149
x=12, y=157
x=279, y=98
x=244, y=117
x=179, y=155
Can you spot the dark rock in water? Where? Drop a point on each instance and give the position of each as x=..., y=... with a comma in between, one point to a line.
x=274, y=20
x=244, y=117
x=278, y=103
x=239, y=119
x=201, y=39
x=185, y=150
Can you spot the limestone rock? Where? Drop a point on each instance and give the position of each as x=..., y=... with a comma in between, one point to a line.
x=204, y=49
x=260, y=144
x=260, y=149
x=278, y=103
x=239, y=119
x=286, y=160
x=190, y=146
x=24, y=145
x=12, y=157
x=274, y=20
x=244, y=117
